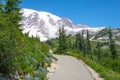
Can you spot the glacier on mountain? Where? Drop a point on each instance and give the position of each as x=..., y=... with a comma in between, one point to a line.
x=45, y=25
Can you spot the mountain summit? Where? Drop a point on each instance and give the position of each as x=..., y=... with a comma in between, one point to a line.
x=45, y=25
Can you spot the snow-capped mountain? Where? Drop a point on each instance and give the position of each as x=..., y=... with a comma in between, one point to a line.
x=46, y=25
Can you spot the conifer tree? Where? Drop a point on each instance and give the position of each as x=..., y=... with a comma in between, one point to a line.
x=10, y=42
x=12, y=11
x=77, y=41
x=112, y=45
x=80, y=42
x=1, y=15
x=83, y=42
x=62, y=40
x=98, y=47
x=88, y=45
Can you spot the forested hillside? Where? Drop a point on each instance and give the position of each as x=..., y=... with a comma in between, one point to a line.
x=21, y=57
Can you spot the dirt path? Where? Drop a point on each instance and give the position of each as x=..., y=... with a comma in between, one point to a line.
x=69, y=68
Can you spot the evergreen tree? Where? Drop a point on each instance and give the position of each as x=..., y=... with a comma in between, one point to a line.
x=1, y=6
x=62, y=40
x=1, y=15
x=83, y=43
x=77, y=42
x=10, y=42
x=13, y=14
x=98, y=47
x=88, y=45
x=112, y=45
x=80, y=43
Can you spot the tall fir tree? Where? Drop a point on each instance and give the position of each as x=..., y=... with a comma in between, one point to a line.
x=112, y=45
x=77, y=42
x=88, y=45
x=80, y=42
x=1, y=15
x=83, y=43
x=1, y=10
x=98, y=48
x=62, y=40
x=12, y=11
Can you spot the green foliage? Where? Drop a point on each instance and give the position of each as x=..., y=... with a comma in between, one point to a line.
x=88, y=44
x=111, y=64
x=78, y=42
x=18, y=53
x=112, y=45
x=98, y=52
x=62, y=41
x=99, y=59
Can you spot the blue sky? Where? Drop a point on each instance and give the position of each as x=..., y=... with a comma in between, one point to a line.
x=94, y=13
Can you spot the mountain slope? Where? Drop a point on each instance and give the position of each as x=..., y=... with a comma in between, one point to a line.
x=103, y=34
x=45, y=25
